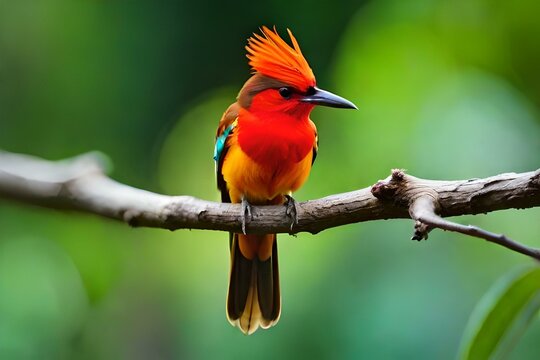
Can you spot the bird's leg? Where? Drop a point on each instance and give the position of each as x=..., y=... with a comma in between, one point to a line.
x=246, y=211
x=291, y=210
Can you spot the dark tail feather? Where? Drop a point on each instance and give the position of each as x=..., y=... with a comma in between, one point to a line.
x=254, y=297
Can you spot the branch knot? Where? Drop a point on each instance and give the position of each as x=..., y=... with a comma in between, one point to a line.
x=389, y=188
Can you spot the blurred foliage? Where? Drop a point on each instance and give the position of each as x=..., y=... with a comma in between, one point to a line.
x=445, y=89
x=502, y=315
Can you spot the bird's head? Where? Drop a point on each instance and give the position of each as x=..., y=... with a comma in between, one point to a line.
x=282, y=80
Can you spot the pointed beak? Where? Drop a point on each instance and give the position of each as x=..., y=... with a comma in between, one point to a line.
x=326, y=98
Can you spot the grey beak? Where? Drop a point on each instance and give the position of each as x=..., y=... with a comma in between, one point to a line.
x=326, y=98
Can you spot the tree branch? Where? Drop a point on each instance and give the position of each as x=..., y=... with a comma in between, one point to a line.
x=80, y=184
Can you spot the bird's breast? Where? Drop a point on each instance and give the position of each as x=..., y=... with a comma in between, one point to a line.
x=266, y=160
x=278, y=143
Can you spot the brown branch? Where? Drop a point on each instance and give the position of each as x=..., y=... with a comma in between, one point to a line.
x=423, y=211
x=424, y=203
x=81, y=184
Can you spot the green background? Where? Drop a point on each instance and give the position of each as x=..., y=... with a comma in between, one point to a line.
x=445, y=89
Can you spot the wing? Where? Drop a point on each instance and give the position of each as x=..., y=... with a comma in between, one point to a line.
x=315, y=144
x=226, y=127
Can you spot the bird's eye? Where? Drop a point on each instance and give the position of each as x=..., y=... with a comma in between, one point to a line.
x=285, y=92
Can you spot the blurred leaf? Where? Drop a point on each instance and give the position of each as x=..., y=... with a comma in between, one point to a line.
x=501, y=316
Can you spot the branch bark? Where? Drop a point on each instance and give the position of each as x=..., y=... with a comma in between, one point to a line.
x=80, y=184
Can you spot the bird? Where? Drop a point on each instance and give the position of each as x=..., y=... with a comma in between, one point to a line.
x=264, y=149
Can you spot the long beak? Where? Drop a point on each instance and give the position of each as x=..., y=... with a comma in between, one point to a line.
x=326, y=98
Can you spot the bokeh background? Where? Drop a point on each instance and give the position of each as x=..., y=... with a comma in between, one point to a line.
x=445, y=89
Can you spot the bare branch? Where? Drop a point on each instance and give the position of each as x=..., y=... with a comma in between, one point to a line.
x=425, y=203
x=81, y=184
x=423, y=211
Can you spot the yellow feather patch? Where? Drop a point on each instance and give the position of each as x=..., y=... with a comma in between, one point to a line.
x=259, y=184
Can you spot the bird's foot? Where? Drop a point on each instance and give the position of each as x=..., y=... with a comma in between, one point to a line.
x=291, y=210
x=246, y=212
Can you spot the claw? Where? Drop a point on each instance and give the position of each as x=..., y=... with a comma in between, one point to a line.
x=291, y=210
x=246, y=211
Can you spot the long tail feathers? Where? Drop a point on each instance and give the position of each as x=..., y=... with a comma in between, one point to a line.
x=254, y=297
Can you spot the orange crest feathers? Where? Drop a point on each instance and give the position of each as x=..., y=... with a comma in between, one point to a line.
x=271, y=56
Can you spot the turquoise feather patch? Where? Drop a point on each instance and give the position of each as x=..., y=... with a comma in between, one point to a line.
x=220, y=142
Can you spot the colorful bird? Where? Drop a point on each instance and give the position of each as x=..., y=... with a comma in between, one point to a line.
x=265, y=147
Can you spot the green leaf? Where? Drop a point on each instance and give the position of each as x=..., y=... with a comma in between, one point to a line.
x=502, y=315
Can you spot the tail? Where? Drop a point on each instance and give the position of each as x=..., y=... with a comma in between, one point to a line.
x=254, y=298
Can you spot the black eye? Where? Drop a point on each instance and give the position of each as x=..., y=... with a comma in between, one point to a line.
x=285, y=92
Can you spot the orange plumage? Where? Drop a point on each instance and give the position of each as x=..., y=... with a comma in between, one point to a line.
x=271, y=56
x=265, y=146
